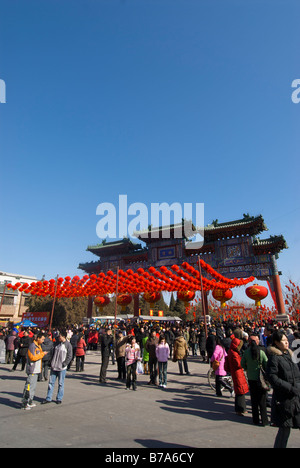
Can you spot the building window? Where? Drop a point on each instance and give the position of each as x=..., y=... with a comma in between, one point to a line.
x=26, y=301
x=8, y=300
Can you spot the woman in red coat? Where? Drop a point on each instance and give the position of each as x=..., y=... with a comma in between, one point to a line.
x=237, y=373
x=80, y=353
x=93, y=339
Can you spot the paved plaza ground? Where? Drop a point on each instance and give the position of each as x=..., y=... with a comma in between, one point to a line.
x=186, y=414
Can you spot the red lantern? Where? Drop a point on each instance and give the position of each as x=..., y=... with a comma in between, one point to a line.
x=152, y=298
x=222, y=295
x=101, y=301
x=124, y=300
x=186, y=296
x=257, y=293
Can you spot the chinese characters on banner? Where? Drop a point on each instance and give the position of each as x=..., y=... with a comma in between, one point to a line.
x=40, y=318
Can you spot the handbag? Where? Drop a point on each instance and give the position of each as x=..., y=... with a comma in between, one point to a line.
x=262, y=379
x=216, y=364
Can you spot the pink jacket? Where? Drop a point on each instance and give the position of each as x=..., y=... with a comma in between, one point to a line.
x=132, y=354
x=162, y=352
x=219, y=355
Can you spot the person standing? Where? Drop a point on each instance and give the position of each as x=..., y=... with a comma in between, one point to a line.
x=219, y=355
x=10, y=342
x=106, y=342
x=193, y=341
x=237, y=373
x=170, y=337
x=120, y=354
x=73, y=341
x=151, y=344
x=162, y=353
x=284, y=377
x=2, y=349
x=24, y=343
x=202, y=343
x=62, y=355
x=80, y=353
x=33, y=369
x=132, y=355
x=180, y=353
x=210, y=343
x=146, y=354
x=46, y=346
x=93, y=338
x=252, y=359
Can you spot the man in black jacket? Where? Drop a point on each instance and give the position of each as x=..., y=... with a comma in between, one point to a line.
x=46, y=346
x=106, y=341
x=151, y=344
x=22, y=351
x=170, y=338
x=211, y=343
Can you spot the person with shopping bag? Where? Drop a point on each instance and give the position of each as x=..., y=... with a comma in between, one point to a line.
x=132, y=357
x=218, y=362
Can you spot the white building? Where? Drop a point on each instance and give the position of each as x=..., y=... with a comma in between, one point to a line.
x=12, y=303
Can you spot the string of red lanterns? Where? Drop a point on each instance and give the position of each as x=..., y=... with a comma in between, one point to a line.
x=173, y=279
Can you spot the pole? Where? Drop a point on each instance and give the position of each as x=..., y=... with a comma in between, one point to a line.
x=116, y=305
x=53, y=304
x=202, y=297
x=20, y=303
x=2, y=298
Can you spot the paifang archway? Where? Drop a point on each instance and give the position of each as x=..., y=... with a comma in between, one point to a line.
x=231, y=248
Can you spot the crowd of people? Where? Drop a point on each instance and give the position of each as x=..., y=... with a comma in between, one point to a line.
x=257, y=356
x=260, y=358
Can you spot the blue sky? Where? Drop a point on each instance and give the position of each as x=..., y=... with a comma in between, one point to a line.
x=163, y=100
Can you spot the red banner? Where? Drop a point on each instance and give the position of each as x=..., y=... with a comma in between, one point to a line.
x=40, y=318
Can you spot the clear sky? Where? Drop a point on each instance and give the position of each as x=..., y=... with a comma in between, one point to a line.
x=183, y=101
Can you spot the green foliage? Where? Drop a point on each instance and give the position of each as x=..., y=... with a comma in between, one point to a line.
x=66, y=310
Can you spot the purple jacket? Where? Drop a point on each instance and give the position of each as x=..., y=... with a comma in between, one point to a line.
x=10, y=341
x=219, y=355
x=162, y=352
